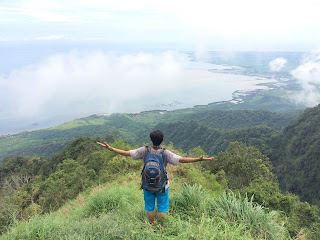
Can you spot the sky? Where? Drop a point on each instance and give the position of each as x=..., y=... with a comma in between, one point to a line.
x=46, y=73
x=202, y=24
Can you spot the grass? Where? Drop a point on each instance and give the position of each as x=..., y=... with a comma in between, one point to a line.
x=116, y=211
x=235, y=209
x=108, y=201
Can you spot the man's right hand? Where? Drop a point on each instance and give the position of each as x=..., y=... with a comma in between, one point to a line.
x=105, y=145
x=119, y=151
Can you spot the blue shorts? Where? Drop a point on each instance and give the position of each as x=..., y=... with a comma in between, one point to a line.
x=162, y=200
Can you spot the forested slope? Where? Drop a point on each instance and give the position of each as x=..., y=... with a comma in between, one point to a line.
x=47, y=142
x=190, y=134
x=298, y=164
x=294, y=152
x=87, y=192
x=232, y=119
x=132, y=127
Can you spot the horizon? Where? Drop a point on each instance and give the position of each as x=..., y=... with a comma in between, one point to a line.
x=203, y=25
x=44, y=91
x=59, y=58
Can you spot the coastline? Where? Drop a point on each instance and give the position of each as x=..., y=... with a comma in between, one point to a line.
x=255, y=84
x=215, y=84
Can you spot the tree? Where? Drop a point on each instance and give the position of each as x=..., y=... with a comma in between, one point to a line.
x=66, y=183
x=241, y=165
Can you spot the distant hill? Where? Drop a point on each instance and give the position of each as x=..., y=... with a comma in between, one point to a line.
x=47, y=142
x=190, y=134
x=133, y=127
x=232, y=119
x=291, y=143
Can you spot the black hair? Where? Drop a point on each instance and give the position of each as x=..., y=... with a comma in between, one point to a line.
x=156, y=137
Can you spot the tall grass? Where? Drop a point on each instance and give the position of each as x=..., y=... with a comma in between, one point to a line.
x=117, y=198
x=190, y=202
x=39, y=227
x=118, y=212
x=228, y=210
x=243, y=211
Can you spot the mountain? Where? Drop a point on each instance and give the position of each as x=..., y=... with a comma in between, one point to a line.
x=87, y=192
x=132, y=127
x=294, y=151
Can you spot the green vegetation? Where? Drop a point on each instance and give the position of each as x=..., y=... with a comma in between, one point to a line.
x=132, y=127
x=186, y=135
x=44, y=170
x=293, y=152
x=259, y=223
x=274, y=100
x=241, y=165
x=57, y=183
x=297, y=165
x=102, y=216
x=233, y=119
x=87, y=192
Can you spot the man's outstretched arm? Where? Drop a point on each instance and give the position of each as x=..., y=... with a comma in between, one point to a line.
x=190, y=160
x=119, y=151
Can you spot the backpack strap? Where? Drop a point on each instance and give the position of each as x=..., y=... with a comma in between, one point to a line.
x=149, y=150
x=165, y=172
x=163, y=149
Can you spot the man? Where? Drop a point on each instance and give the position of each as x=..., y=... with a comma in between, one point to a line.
x=168, y=157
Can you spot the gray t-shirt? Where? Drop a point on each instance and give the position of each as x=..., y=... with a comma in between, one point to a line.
x=168, y=156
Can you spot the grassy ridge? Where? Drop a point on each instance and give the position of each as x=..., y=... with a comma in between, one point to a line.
x=86, y=192
x=115, y=211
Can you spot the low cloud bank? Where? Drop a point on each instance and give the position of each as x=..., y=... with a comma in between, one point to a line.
x=277, y=64
x=86, y=83
x=308, y=76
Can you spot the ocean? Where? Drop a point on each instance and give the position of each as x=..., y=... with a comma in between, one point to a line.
x=43, y=85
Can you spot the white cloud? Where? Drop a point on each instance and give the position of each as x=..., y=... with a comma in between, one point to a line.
x=231, y=24
x=308, y=76
x=51, y=37
x=277, y=64
x=85, y=83
x=43, y=14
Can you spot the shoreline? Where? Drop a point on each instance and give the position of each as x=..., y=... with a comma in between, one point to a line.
x=259, y=82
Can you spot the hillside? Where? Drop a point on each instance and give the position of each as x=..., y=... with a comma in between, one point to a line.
x=116, y=212
x=213, y=130
x=294, y=152
x=233, y=119
x=298, y=164
x=47, y=142
x=289, y=142
x=132, y=127
x=87, y=192
x=190, y=134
